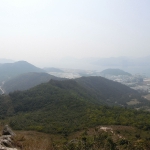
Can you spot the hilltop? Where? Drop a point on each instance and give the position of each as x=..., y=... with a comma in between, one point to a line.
x=10, y=70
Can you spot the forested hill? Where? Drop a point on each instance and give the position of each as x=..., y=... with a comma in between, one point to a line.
x=9, y=70
x=99, y=89
x=70, y=105
x=114, y=72
x=106, y=90
x=26, y=81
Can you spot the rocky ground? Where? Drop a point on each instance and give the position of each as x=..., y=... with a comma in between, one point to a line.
x=6, y=139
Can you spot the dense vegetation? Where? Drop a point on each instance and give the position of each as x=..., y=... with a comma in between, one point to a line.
x=109, y=92
x=26, y=81
x=71, y=105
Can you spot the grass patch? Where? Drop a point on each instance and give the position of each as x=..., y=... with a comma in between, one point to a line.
x=133, y=102
x=147, y=96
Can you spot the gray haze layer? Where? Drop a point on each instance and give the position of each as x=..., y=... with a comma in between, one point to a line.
x=44, y=32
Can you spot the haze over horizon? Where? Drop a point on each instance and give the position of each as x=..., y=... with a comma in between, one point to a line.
x=45, y=32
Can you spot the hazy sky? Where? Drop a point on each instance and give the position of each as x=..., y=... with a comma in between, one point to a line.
x=43, y=31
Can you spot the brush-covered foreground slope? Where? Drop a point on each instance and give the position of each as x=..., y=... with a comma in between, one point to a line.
x=116, y=138
x=9, y=70
x=27, y=81
x=68, y=106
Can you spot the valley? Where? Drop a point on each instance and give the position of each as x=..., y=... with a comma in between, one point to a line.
x=74, y=112
x=75, y=75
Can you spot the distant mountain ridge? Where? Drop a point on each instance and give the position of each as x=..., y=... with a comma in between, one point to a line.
x=26, y=81
x=9, y=70
x=129, y=64
x=133, y=65
x=114, y=72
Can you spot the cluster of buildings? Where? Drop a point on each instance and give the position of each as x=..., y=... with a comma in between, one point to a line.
x=136, y=82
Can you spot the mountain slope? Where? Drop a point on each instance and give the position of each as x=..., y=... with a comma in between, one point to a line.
x=106, y=90
x=27, y=81
x=114, y=72
x=49, y=108
x=71, y=105
x=9, y=70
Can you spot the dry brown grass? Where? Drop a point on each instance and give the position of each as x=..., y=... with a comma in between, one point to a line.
x=133, y=102
x=147, y=96
x=30, y=140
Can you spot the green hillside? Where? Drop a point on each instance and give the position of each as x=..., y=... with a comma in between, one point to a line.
x=108, y=91
x=27, y=81
x=70, y=105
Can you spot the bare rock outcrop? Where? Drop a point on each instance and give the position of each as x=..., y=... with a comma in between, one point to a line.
x=6, y=140
x=7, y=131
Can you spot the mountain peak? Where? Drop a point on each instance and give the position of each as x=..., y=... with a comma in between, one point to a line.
x=9, y=70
